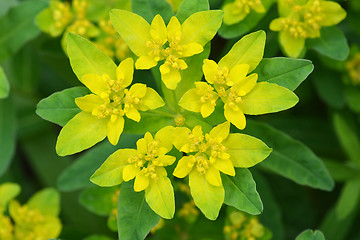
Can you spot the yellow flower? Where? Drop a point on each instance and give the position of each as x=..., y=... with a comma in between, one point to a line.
x=156, y=42
x=103, y=110
x=210, y=154
x=6, y=227
x=237, y=10
x=237, y=88
x=147, y=165
x=353, y=68
x=300, y=20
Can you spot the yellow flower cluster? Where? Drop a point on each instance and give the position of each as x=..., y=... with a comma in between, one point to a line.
x=243, y=226
x=300, y=20
x=353, y=68
x=237, y=10
x=62, y=18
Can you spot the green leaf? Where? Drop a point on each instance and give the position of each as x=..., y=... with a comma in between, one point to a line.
x=352, y=96
x=8, y=191
x=240, y=192
x=47, y=201
x=18, y=26
x=291, y=158
x=349, y=140
x=98, y=237
x=7, y=133
x=189, y=7
x=60, y=107
x=340, y=171
x=148, y=9
x=6, y=5
x=310, y=235
x=286, y=72
x=245, y=25
x=85, y=58
x=99, y=200
x=349, y=199
x=331, y=43
x=201, y=27
x=135, y=217
x=248, y=50
x=4, y=84
x=77, y=175
x=81, y=132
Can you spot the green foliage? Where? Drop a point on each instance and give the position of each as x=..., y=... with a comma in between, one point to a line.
x=290, y=158
x=4, y=84
x=189, y=7
x=149, y=8
x=46, y=201
x=285, y=72
x=60, y=107
x=99, y=200
x=135, y=217
x=240, y=192
x=22, y=16
x=311, y=235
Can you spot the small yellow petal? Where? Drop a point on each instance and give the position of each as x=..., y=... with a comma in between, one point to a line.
x=94, y=82
x=276, y=24
x=222, y=130
x=141, y=146
x=88, y=102
x=212, y=175
x=145, y=62
x=114, y=130
x=171, y=79
x=292, y=46
x=158, y=30
x=225, y=166
x=239, y=72
x=191, y=101
x=247, y=84
x=191, y=49
x=125, y=71
x=183, y=167
x=207, y=109
x=141, y=182
x=210, y=69
x=166, y=160
x=130, y=172
x=235, y=117
x=133, y=114
x=174, y=29
x=137, y=90
x=333, y=13
x=152, y=99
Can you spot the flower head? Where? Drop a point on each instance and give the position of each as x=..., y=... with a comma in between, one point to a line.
x=232, y=81
x=111, y=99
x=171, y=43
x=300, y=20
x=237, y=10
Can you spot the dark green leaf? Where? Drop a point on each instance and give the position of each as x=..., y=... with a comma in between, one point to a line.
x=352, y=96
x=99, y=200
x=311, y=235
x=240, y=192
x=340, y=171
x=244, y=26
x=77, y=175
x=286, y=72
x=98, y=237
x=60, y=107
x=18, y=26
x=4, y=84
x=291, y=158
x=349, y=199
x=189, y=7
x=148, y=9
x=135, y=217
x=331, y=43
x=348, y=138
x=7, y=133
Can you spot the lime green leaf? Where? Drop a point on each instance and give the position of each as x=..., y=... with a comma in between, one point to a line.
x=249, y=50
x=4, y=84
x=201, y=27
x=110, y=172
x=80, y=133
x=240, y=192
x=22, y=16
x=290, y=158
x=349, y=199
x=148, y=9
x=207, y=197
x=349, y=140
x=245, y=151
x=268, y=98
x=135, y=217
x=160, y=197
x=7, y=133
x=331, y=43
x=133, y=29
x=60, y=107
x=8, y=191
x=311, y=235
x=189, y=7
x=245, y=25
x=85, y=58
x=286, y=72
x=99, y=200
x=77, y=175
x=47, y=201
